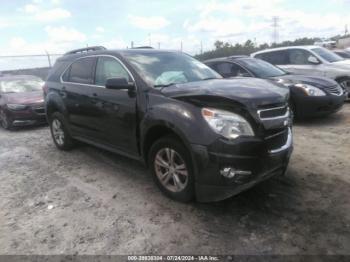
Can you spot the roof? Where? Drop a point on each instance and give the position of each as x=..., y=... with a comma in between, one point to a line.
x=147, y=50
x=306, y=47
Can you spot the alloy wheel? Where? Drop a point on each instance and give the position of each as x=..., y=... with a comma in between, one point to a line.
x=171, y=169
x=58, y=132
x=346, y=85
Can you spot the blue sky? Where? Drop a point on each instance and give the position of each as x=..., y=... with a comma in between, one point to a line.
x=33, y=26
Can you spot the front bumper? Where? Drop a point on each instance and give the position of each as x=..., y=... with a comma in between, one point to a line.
x=32, y=115
x=313, y=106
x=251, y=156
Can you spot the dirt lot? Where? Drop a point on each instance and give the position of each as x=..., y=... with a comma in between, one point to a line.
x=88, y=201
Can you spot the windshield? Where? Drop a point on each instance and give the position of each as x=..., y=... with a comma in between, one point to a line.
x=21, y=85
x=327, y=55
x=261, y=68
x=166, y=68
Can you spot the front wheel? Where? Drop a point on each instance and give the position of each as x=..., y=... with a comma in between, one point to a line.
x=59, y=132
x=171, y=167
x=5, y=121
x=345, y=84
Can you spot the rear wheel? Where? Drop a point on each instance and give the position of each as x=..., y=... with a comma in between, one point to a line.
x=171, y=167
x=5, y=121
x=59, y=132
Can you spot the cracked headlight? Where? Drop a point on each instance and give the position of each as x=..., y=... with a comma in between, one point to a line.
x=310, y=90
x=227, y=124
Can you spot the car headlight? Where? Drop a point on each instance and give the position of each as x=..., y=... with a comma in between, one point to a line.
x=16, y=107
x=310, y=90
x=227, y=124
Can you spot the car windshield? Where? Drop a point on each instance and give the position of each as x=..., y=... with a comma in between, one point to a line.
x=160, y=69
x=327, y=55
x=20, y=85
x=261, y=68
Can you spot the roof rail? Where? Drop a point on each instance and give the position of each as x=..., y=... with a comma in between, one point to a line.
x=142, y=47
x=86, y=49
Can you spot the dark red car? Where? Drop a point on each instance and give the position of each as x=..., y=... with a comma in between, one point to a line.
x=21, y=101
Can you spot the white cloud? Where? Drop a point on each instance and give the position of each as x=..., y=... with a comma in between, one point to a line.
x=52, y=14
x=148, y=23
x=100, y=29
x=56, y=2
x=241, y=20
x=63, y=34
x=31, y=8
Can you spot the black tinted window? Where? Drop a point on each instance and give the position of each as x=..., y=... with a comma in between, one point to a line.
x=276, y=57
x=82, y=71
x=108, y=67
x=230, y=70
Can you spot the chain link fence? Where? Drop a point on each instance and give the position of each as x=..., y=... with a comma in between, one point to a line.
x=38, y=64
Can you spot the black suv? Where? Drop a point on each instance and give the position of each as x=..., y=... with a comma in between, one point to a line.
x=202, y=136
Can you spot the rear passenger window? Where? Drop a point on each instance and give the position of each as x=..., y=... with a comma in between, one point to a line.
x=276, y=57
x=108, y=67
x=82, y=71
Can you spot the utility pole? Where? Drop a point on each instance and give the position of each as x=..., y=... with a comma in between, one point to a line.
x=181, y=46
x=275, y=25
x=346, y=30
x=158, y=45
x=132, y=44
x=48, y=58
x=201, y=47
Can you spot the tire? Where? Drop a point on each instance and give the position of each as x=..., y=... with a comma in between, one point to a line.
x=178, y=184
x=59, y=132
x=5, y=121
x=344, y=82
x=293, y=111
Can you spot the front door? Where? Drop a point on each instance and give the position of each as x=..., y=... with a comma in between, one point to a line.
x=115, y=110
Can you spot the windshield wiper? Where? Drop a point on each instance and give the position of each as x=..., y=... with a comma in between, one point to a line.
x=210, y=78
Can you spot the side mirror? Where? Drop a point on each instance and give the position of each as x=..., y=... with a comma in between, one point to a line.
x=119, y=83
x=313, y=60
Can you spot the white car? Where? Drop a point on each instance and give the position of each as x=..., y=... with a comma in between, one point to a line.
x=309, y=60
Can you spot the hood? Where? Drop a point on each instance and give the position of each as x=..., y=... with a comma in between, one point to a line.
x=249, y=91
x=317, y=81
x=344, y=64
x=25, y=98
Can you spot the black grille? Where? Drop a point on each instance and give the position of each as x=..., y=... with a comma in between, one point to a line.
x=273, y=112
x=277, y=139
x=39, y=110
x=334, y=90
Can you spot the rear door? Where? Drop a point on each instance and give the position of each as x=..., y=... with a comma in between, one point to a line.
x=114, y=110
x=279, y=58
x=77, y=83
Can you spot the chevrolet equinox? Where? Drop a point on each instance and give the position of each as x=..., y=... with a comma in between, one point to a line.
x=201, y=136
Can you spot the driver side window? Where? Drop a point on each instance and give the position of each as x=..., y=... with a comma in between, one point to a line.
x=108, y=67
x=300, y=57
x=230, y=70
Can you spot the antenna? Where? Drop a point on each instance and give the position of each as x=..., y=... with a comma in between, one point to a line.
x=275, y=25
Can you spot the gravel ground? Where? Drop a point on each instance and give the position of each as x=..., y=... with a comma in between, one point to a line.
x=89, y=201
